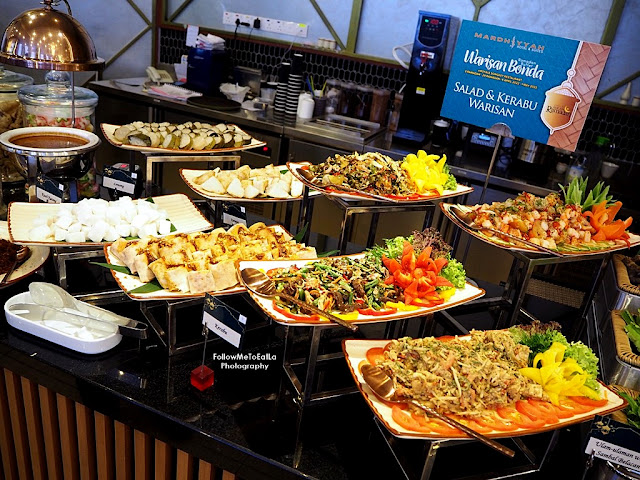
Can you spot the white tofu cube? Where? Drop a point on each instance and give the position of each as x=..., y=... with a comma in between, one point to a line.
x=111, y=235
x=164, y=227
x=113, y=215
x=123, y=230
x=64, y=221
x=39, y=233
x=96, y=234
x=59, y=234
x=139, y=220
x=147, y=230
x=75, y=237
x=74, y=227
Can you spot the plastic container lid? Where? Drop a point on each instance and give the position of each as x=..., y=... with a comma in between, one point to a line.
x=57, y=92
x=12, y=81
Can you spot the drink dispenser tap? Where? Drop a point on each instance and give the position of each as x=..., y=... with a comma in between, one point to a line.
x=426, y=62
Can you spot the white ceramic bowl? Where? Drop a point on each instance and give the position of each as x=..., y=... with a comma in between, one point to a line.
x=608, y=169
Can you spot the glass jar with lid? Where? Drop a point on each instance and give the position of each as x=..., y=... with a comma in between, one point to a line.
x=55, y=104
x=51, y=104
x=334, y=95
x=348, y=100
x=10, y=115
x=363, y=102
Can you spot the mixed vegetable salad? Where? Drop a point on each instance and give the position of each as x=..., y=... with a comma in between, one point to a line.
x=575, y=221
x=496, y=381
x=405, y=274
x=371, y=172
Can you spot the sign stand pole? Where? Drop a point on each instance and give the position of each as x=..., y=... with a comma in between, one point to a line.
x=502, y=130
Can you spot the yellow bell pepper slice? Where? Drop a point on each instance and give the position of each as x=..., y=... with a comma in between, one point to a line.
x=558, y=376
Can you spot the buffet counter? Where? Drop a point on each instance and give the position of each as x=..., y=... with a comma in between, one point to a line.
x=300, y=131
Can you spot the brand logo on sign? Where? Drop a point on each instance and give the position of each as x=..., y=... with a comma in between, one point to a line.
x=513, y=41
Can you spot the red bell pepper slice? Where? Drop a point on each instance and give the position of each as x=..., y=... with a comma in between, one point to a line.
x=402, y=279
x=300, y=317
x=443, y=282
x=377, y=313
x=440, y=263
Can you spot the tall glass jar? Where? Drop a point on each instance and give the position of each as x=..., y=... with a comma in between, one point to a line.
x=56, y=104
x=347, y=102
x=334, y=95
x=363, y=102
x=51, y=104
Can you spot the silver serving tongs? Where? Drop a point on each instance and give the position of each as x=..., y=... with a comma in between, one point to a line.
x=37, y=312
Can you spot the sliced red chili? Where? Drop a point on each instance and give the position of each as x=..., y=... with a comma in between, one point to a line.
x=377, y=313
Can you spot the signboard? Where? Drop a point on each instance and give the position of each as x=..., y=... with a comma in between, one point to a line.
x=539, y=85
x=225, y=321
x=616, y=442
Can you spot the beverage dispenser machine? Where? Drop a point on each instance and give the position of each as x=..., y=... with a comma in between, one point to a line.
x=425, y=86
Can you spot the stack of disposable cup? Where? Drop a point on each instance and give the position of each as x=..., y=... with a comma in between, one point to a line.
x=294, y=86
x=280, y=100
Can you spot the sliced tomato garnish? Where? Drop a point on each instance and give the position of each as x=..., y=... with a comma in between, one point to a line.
x=494, y=422
x=409, y=262
x=375, y=355
x=574, y=406
x=589, y=402
x=406, y=421
x=546, y=408
x=520, y=419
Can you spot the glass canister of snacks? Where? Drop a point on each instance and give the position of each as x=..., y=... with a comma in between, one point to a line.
x=333, y=95
x=10, y=118
x=51, y=105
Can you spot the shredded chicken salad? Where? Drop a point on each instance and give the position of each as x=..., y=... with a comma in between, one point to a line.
x=461, y=376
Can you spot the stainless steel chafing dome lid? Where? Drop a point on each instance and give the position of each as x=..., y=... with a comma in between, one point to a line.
x=45, y=38
x=10, y=82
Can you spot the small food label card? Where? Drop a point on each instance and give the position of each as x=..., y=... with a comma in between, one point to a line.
x=232, y=214
x=539, y=85
x=49, y=190
x=616, y=442
x=119, y=179
x=225, y=321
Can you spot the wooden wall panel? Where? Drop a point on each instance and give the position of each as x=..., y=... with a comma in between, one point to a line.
x=143, y=454
x=105, y=456
x=86, y=442
x=18, y=424
x=44, y=435
x=205, y=471
x=124, y=451
x=68, y=437
x=51, y=432
x=34, y=429
x=184, y=466
x=7, y=450
x=163, y=461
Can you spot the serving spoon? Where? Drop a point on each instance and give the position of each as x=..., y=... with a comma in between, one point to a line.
x=22, y=255
x=463, y=218
x=260, y=284
x=382, y=385
x=54, y=296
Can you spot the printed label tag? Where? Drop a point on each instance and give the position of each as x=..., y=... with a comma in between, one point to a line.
x=233, y=214
x=119, y=180
x=614, y=441
x=49, y=190
x=223, y=320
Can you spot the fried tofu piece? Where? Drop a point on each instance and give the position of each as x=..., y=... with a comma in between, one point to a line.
x=224, y=274
x=201, y=281
x=171, y=277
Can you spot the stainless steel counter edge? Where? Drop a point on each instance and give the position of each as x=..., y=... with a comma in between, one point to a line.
x=243, y=118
